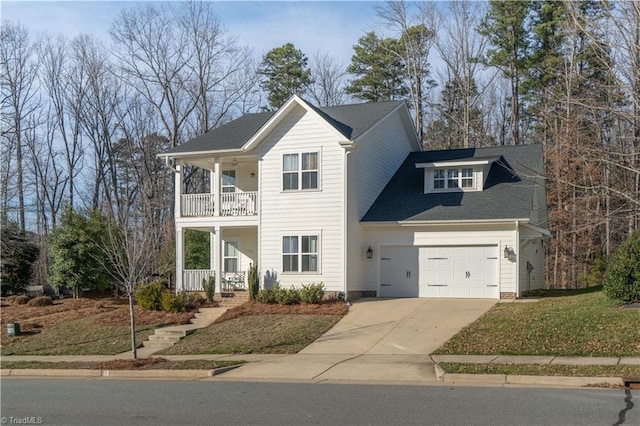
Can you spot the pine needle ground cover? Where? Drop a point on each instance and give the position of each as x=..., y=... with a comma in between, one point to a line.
x=587, y=324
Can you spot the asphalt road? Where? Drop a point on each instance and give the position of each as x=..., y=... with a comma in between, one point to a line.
x=213, y=402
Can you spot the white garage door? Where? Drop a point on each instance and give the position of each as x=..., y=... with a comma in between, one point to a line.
x=459, y=272
x=398, y=272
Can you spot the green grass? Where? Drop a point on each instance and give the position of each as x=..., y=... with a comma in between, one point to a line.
x=584, y=324
x=199, y=364
x=266, y=334
x=79, y=337
x=543, y=370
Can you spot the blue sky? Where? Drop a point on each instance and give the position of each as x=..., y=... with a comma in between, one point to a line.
x=329, y=26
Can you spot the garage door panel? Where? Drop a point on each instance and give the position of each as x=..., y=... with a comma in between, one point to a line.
x=399, y=274
x=459, y=272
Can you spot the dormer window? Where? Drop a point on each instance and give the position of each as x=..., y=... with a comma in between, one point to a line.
x=453, y=178
x=455, y=175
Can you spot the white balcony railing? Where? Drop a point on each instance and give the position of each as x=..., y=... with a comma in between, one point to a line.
x=239, y=203
x=231, y=203
x=197, y=205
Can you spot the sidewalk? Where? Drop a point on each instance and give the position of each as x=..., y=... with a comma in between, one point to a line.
x=323, y=368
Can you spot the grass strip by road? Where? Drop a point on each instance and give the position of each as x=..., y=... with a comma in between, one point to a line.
x=542, y=370
x=263, y=334
x=162, y=364
x=583, y=324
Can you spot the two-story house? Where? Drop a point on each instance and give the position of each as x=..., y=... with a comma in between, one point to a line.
x=345, y=196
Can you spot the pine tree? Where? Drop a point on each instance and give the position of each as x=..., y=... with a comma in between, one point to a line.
x=284, y=73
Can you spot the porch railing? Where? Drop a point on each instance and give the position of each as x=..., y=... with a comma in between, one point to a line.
x=197, y=205
x=239, y=203
x=192, y=278
x=231, y=203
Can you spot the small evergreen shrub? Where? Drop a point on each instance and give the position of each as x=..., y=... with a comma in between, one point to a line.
x=209, y=287
x=194, y=301
x=40, y=301
x=622, y=279
x=149, y=296
x=266, y=296
x=174, y=303
x=288, y=296
x=253, y=281
x=312, y=293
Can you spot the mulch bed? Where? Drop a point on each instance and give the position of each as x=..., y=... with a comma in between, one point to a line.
x=327, y=307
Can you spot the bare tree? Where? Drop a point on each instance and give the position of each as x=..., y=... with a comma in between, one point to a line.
x=64, y=82
x=18, y=79
x=460, y=46
x=328, y=77
x=416, y=33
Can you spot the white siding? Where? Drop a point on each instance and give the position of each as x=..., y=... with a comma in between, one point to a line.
x=378, y=156
x=531, y=251
x=302, y=212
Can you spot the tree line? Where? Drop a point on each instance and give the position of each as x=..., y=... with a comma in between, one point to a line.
x=82, y=121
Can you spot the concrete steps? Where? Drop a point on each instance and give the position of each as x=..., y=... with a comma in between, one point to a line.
x=166, y=337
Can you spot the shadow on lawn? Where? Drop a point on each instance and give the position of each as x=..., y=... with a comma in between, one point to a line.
x=544, y=293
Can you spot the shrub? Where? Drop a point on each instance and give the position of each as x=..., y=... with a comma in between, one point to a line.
x=209, y=287
x=18, y=254
x=268, y=295
x=149, y=296
x=622, y=279
x=194, y=301
x=312, y=293
x=174, y=303
x=253, y=281
x=21, y=300
x=288, y=296
x=40, y=301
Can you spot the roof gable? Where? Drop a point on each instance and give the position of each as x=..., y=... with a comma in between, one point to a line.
x=346, y=122
x=508, y=191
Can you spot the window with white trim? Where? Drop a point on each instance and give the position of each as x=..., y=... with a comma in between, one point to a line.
x=300, y=253
x=228, y=181
x=453, y=178
x=231, y=255
x=300, y=171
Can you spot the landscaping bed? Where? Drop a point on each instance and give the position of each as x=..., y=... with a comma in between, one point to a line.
x=585, y=323
x=79, y=327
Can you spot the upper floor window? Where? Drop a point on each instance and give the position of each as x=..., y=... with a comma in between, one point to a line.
x=300, y=171
x=453, y=178
x=228, y=181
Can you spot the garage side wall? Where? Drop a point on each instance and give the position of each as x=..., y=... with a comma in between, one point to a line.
x=532, y=254
x=481, y=235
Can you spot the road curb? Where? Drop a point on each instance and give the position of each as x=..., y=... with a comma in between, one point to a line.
x=116, y=374
x=515, y=379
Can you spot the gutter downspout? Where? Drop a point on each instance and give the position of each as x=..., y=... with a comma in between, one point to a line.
x=517, y=259
x=168, y=165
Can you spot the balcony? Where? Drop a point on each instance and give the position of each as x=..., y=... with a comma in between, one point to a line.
x=231, y=204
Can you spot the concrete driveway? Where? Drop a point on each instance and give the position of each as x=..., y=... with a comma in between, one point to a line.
x=385, y=340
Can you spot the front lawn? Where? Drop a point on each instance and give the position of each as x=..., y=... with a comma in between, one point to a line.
x=265, y=334
x=584, y=324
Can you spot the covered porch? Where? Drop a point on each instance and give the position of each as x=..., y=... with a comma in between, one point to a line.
x=225, y=253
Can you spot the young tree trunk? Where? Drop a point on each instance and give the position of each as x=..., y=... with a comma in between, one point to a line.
x=132, y=318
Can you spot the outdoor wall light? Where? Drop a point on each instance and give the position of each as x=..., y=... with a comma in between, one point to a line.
x=369, y=253
x=507, y=252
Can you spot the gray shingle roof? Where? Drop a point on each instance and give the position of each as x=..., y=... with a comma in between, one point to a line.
x=508, y=190
x=350, y=120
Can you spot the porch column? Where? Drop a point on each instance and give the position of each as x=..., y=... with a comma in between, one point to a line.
x=178, y=190
x=216, y=186
x=217, y=258
x=179, y=258
x=212, y=250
